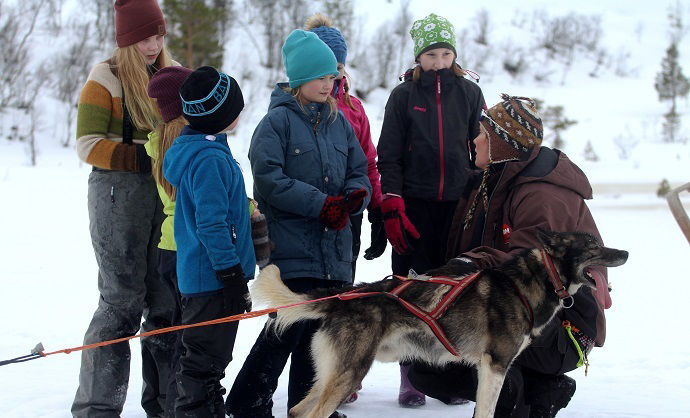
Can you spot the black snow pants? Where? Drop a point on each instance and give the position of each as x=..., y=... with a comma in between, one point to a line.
x=206, y=353
x=432, y=220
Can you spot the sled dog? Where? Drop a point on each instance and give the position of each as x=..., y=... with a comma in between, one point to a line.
x=357, y=331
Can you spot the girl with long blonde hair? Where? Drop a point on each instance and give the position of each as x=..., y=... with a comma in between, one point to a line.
x=114, y=118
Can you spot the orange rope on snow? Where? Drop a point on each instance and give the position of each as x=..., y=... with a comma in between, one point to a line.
x=38, y=354
x=223, y=320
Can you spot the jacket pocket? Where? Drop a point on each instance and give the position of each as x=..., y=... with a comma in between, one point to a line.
x=340, y=165
x=301, y=162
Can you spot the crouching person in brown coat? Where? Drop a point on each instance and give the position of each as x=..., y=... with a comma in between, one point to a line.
x=522, y=187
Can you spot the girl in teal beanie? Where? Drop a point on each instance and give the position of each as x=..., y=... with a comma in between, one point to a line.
x=310, y=175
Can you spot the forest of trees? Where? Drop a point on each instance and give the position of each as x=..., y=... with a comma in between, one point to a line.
x=199, y=32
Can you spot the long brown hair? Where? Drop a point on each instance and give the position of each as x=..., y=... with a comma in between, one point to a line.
x=134, y=74
x=417, y=73
x=167, y=132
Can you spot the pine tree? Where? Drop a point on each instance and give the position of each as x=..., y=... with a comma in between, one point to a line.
x=194, y=32
x=671, y=84
x=589, y=153
x=553, y=119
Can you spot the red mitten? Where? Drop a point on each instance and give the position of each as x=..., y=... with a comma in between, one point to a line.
x=398, y=226
x=334, y=215
x=353, y=200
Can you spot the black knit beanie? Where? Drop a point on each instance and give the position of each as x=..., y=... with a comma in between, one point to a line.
x=211, y=100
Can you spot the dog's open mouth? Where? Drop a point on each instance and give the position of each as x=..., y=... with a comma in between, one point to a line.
x=590, y=279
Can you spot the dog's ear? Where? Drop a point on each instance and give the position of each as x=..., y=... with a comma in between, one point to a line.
x=546, y=238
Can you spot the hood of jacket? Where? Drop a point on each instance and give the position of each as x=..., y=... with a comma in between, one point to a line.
x=185, y=148
x=564, y=174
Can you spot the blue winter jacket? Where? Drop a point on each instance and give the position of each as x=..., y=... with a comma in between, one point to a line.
x=298, y=158
x=212, y=226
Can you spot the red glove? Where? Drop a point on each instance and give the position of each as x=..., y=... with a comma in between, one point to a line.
x=334, y=213
x=353, y=200
x=398, y=226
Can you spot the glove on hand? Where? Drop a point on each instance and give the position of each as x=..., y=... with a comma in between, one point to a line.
x=334, y=213
x=398, y=227
x=235, y=291
x=378, y=235
x=262, y=244
x=354, y=199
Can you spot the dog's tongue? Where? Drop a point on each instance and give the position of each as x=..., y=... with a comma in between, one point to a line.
x=602, y=294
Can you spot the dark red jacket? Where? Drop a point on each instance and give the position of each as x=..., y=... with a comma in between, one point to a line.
x=518, y=205
x=425, y=139
x=360, y=124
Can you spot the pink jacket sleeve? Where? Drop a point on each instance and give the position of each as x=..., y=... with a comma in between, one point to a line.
x=360, y=123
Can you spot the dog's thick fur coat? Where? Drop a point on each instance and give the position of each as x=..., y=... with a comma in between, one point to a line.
x=488, y=324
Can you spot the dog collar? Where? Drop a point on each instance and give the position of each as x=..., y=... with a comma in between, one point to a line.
x=555, y=280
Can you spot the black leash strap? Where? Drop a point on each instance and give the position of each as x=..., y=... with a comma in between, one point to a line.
x=35, y=353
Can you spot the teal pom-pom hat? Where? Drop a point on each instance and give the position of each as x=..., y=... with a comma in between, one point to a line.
x=306, y=58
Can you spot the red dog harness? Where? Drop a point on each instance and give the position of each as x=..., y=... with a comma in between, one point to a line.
x=458, y=285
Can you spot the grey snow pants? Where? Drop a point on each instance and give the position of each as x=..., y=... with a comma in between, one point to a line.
x=125, y=215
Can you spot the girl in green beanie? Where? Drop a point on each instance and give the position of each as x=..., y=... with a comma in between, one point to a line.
x=424, y=156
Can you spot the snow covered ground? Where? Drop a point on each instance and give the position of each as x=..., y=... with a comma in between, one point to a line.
x=48, y=276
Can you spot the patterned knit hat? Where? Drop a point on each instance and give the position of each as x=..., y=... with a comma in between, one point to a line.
x=211, y=100
x=432, y=32
x=136, y=20
x=514, y=128
x=165, y=88
x=306, y=58
x=322, y=26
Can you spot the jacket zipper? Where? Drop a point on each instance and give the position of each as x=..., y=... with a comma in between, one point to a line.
x=318, y=119
x=440, y=136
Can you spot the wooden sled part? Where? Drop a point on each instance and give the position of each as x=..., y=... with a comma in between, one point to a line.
x=678, y=210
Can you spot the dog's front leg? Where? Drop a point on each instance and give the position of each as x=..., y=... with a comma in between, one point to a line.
x=490, y=381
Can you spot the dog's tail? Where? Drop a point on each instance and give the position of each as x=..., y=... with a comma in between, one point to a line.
x=268, y=289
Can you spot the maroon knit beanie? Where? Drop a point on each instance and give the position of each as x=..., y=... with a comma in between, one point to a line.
x=165, y=88
x=136, y=20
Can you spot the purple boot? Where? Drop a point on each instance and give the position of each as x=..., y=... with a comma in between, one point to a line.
x=409, y=396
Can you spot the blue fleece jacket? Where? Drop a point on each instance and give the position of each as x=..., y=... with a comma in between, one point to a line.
x=212, y=226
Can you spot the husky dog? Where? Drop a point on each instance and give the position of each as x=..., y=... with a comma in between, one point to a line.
x=354, y=332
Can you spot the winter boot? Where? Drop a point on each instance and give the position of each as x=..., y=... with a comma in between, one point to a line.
x=409, y=396
x=560, y=390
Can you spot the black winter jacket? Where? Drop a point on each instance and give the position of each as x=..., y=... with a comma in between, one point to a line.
x=427, y=133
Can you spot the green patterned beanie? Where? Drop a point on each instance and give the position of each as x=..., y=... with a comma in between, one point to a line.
x=432, y=32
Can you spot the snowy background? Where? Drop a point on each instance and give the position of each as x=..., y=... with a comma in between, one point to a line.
x=48, y=271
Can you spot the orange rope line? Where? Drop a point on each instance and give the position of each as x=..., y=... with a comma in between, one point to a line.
x=223, y=320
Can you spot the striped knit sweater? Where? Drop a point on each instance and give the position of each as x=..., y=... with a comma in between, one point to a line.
x=99, y=125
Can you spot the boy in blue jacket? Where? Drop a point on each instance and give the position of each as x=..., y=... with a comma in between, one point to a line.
x=213, y=234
